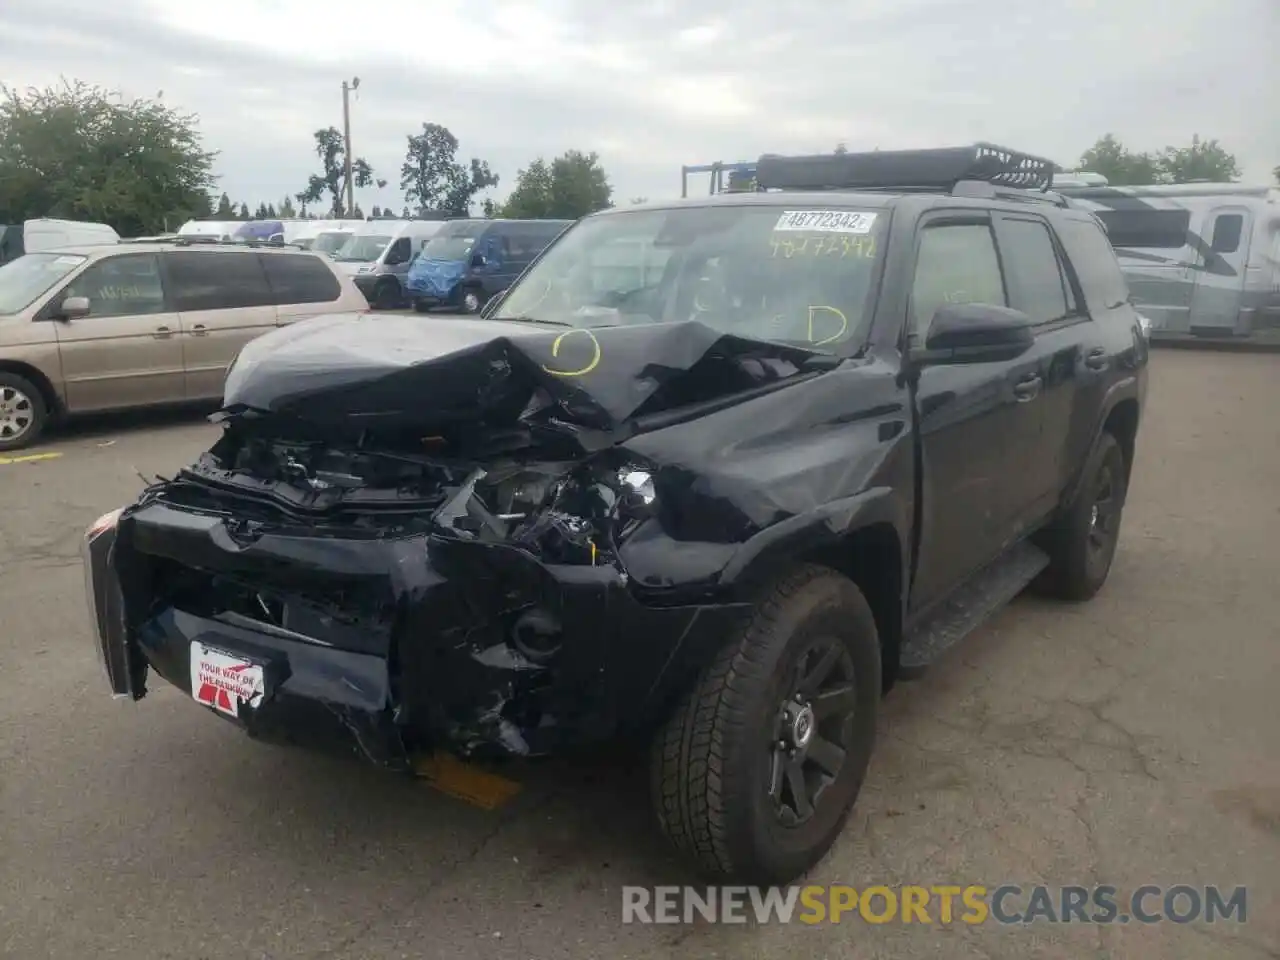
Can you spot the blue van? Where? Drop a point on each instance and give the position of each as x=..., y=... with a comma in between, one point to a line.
x=468, y=261
x=261, y=230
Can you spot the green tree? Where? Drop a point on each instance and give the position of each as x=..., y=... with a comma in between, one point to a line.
x=376, y=212
x=243, y=213
x=332, y=178
x=1203, y=160
x=405, y=214
x=1119, y=165
x=225, y=210
x=570, y=186
x=842, y=147
x=261, y=212
x=433, y=179
x=358, y=213
x=287, y=209
x=84, y=152
x=636, y=201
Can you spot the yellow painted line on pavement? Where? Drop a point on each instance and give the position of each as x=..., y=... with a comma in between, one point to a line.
x=30, y=458
x=465, y=782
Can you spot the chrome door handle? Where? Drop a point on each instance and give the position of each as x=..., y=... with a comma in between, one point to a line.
x=1027, y=389
x=162, y=333
x=199, y=330
x=1096, y=360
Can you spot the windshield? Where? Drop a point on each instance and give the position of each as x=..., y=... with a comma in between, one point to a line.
x=361, y=249
x=447, y=248
x=330, y=241
x=795, y=276
x=26, y=278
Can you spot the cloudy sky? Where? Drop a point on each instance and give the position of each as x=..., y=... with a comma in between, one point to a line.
x=653, y=84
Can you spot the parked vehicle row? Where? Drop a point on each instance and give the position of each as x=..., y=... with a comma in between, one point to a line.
x=90, y=328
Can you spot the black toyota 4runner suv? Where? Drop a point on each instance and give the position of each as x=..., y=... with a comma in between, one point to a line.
x=717, y=470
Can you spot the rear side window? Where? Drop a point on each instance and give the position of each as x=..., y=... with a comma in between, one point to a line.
x=957, y=263
x=1036, y=284
x=295, y=278
x=1152, y=229
x=1094, y=262
x=217, y=280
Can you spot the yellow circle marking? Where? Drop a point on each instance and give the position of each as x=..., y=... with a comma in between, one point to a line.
x=555, y=352
x=844, y=325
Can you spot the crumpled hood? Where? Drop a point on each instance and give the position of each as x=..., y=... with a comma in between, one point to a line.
x=435, y=277
x=397, y=372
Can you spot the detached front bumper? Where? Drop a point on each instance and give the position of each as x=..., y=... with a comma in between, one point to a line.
x=451, y=662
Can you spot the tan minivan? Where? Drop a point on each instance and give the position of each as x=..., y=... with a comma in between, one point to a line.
x=124, y=325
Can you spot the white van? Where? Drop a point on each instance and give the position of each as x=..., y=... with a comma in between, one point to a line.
x=213, y=229
x=48, y=234
x=327, y=236
x=377, y=257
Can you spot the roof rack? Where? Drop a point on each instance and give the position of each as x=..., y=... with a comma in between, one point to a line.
x=937, y=170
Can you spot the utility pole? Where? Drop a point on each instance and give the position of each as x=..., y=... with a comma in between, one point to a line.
x=347, y=87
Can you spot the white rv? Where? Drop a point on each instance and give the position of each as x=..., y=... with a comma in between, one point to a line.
x=1202, y=259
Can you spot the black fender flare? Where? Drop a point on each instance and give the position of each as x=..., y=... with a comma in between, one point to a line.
x=1129, y=388
x=823, y=527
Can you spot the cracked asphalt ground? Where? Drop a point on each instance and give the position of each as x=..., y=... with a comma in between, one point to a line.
x=1127, y=741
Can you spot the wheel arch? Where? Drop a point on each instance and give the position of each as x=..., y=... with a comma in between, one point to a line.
x=33, y=375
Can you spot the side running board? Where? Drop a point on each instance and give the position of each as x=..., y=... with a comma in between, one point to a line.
x=985, y=593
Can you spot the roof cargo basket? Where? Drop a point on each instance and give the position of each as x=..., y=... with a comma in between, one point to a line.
x=914, y=170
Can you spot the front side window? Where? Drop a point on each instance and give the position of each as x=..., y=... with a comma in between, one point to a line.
x=121, y=286
x=330, y=242
x=1227, y=229
x=956, y=263
x=24, y=279
x=794, y=276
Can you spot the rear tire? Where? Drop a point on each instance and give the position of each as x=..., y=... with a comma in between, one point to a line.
x=730, y=766
x=421, y=307
x=1082, y=542
x=23, y=413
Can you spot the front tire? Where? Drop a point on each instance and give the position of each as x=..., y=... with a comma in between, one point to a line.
x=23, y=413
x=1082, y=542
x=755, y=774
x=386, y=295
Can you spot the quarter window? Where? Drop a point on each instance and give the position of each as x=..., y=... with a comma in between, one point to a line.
x=217, y=280
x=121, y=286
x=957, y=263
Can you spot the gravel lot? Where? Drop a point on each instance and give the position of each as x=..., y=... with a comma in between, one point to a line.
x=1128, y=741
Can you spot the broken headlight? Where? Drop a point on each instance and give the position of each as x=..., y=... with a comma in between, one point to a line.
x=588, y=514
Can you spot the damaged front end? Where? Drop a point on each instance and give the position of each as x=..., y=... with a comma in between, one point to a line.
x=367, y=555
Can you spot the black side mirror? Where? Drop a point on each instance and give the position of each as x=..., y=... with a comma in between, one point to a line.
x=975, y=333
x=477, y=260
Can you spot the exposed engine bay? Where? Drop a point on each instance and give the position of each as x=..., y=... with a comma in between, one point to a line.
x=567, y=511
